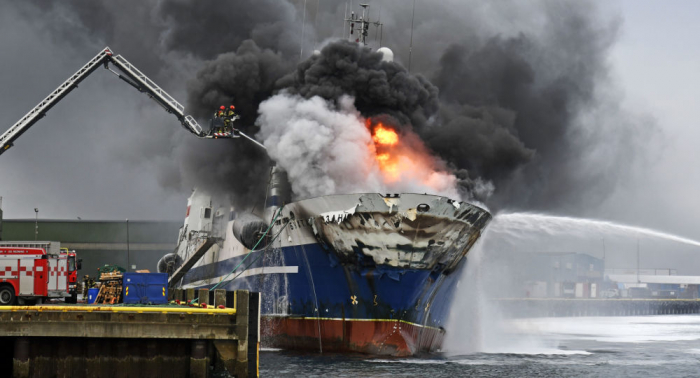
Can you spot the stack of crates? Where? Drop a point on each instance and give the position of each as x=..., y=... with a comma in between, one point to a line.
x=145, y=288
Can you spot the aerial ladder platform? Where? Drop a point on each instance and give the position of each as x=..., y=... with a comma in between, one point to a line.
x=129, y=74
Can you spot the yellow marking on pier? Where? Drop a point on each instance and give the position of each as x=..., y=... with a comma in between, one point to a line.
x=140, y=309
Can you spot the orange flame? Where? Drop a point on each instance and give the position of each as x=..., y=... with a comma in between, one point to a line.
x=384, y=136
x=404, y=157
x=386, y=143
x=397, y=157
x=389, y=166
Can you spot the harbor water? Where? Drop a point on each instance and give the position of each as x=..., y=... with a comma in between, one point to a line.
x=630, y=346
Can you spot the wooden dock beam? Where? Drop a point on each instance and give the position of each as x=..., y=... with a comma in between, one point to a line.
x=130, y=341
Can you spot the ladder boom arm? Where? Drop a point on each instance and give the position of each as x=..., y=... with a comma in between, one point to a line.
x=7, y=139
x=144, y=84
x=132, y=76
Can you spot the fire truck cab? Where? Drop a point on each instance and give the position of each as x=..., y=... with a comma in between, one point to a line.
x=33, y=271
x=74, y=264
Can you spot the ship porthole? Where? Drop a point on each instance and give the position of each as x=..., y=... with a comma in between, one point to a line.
x=423, y=208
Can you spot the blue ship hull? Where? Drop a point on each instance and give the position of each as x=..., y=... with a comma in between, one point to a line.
x=325, y=288
x=377, y=278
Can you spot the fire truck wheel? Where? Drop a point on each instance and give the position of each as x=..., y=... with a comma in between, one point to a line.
x=7, y=296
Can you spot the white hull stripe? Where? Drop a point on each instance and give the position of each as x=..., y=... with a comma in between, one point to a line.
x=20, y=257
x=248, y=273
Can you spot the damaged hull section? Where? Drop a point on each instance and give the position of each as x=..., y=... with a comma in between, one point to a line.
x=434, y=234
x=359, y=272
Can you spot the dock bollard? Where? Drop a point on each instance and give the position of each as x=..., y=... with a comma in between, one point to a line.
x=203, y=296
x=219, y=298
x=189, y=295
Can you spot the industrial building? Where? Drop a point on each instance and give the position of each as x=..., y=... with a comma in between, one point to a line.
x=654, y=283
x=579, y=275
x=555, y=274
x=132, y=244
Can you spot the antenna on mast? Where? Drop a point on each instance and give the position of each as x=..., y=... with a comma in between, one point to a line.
x=301, y=43
x=410, y=47
x=380, y=29
x=318, y=5
x=345, y=17
x=359, y=26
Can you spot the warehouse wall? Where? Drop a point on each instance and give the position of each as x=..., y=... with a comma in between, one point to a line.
x=102, y=242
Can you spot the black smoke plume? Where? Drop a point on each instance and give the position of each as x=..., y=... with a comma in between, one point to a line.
x=343, y=68
x=515, y=105
x=387, y=90
x=244, y=78
x=208, y=28
x=503, y=94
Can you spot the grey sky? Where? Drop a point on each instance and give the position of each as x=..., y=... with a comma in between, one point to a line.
x=69, y=164
x=77, y=162
x=656, y=62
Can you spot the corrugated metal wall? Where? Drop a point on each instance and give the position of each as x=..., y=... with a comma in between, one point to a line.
x=103, y=242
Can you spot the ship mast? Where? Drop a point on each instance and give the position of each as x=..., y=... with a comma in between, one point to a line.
x=359, y=26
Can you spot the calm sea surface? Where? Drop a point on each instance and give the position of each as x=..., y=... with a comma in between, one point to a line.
x=643, y=346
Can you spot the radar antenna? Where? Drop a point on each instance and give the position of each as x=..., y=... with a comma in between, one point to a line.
x=359, y=26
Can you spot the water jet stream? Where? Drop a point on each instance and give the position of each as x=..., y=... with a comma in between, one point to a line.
x=524, y=224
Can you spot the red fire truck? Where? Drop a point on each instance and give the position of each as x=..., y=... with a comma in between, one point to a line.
x=33, y=271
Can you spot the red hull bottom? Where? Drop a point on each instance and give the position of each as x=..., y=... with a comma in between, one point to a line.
x=379, y=337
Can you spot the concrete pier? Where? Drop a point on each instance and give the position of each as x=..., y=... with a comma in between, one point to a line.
x=131, y=341
x=553, y=307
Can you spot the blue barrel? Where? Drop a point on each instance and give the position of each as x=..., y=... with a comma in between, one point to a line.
x=92, y=295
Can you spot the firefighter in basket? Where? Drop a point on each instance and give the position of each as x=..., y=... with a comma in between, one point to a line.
x=219, y=120
x=230, y=117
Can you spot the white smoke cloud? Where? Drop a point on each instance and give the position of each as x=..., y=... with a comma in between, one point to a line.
x=328, y=150
x=323, y=150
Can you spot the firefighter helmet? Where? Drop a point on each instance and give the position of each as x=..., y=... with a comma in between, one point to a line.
x=232, y=107
x=222, y=107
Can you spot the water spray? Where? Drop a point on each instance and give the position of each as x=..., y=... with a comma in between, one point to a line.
x=524, y=224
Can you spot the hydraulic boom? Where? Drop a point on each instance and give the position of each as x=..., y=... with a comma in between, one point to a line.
x=129, y=74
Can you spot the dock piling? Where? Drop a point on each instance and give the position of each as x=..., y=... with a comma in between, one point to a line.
x=219, y=297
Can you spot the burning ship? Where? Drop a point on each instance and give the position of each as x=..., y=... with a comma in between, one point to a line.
x=369, y=272
x=372, y=273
